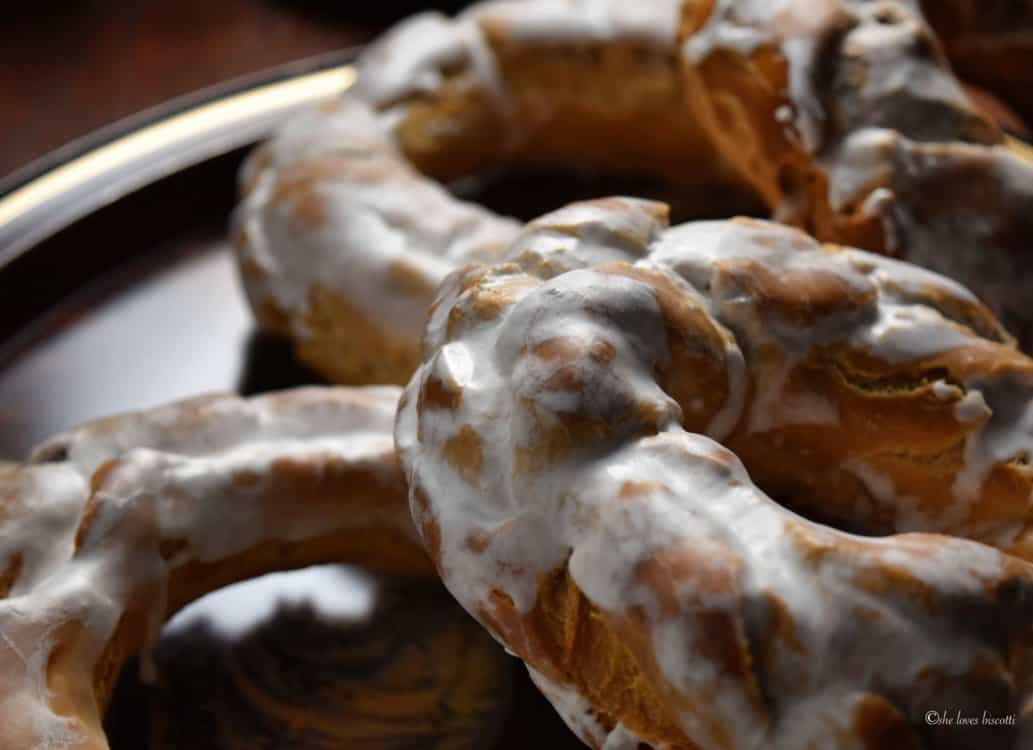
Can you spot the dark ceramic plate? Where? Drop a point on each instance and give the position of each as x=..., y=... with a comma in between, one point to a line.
x=118, y=291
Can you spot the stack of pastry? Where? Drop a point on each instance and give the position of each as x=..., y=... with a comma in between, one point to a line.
x=730, y=484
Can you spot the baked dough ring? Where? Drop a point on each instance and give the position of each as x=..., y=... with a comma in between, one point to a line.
x=560, y=444
x=115, y=525
x=343, y=231
x=842, y=115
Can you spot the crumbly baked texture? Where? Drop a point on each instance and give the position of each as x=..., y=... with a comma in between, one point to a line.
x=569, y=445
x=114, y=526
x=842, y=116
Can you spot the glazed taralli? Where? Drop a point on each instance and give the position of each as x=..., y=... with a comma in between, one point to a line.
x=114, y=526
x=623, y=439
x=341, y=234
x=567, y=455
x=841, y=116
x=563, y=481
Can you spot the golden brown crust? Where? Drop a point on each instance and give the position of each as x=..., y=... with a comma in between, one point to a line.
x=602, y=658
x=347, y=347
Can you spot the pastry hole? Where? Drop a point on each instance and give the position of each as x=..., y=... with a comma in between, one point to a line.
x=803, y=506
x=528, y=195
x=251, y=624
x=378, y=661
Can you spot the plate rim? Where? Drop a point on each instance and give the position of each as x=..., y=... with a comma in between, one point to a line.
x=75, y=180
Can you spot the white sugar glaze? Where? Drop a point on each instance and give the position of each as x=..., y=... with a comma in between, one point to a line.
x=359, y=215
x=869, y=98
x=525, y=508
x=347, y=228
x=876, y=106
x=210, y=475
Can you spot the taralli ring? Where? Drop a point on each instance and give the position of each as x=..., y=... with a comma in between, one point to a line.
x=114, y=526
x=842, y=117
x=560, y=440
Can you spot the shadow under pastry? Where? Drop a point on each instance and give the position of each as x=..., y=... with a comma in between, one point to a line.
x=327, y=657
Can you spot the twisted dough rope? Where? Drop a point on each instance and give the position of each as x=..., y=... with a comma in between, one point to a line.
x=114, y=526
x=562, y=483
x=842, y=115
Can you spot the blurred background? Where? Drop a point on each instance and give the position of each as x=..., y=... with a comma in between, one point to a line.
x=68, y=67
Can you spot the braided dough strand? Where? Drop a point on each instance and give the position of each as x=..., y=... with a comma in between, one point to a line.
x=561, y=481
x=114, y=526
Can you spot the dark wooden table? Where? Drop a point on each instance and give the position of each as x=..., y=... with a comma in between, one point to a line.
x=68, y=68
